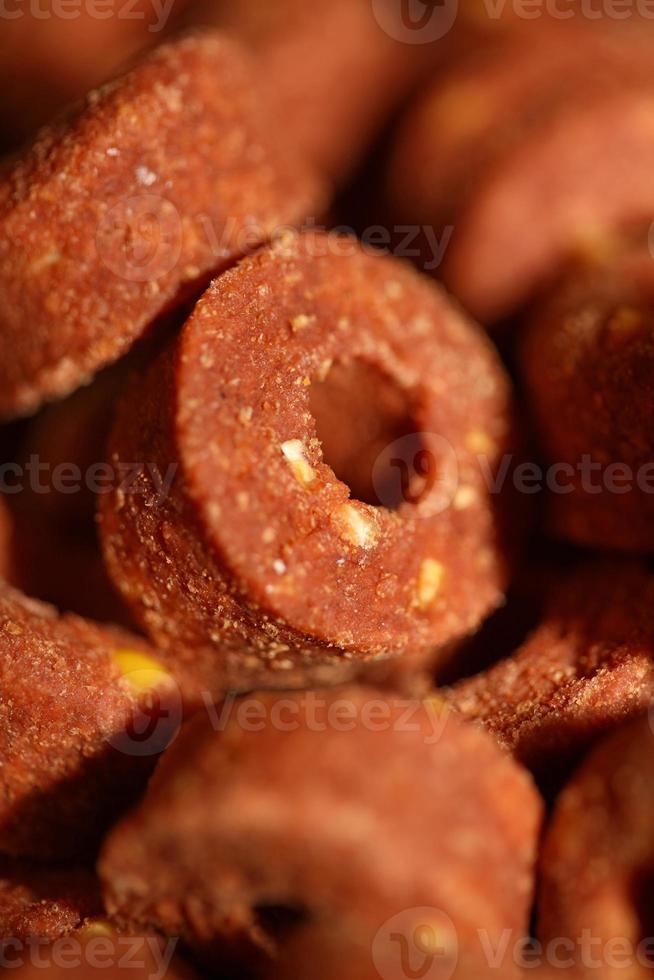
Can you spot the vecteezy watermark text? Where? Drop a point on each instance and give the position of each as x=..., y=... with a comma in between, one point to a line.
x=156, y=13
x=314, y=713
x=427, y=21
x=41, y=477
x=140, y=238
x=143, y=956
x=424, y=942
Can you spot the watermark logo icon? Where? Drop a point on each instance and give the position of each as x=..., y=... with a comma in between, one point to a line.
x=420, y=469
x=139, y=239
x=416, y=21
x=416, y=944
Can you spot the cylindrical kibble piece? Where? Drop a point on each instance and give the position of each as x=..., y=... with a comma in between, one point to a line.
x=596, y=890
x=335, y=74
x=586, y=669
x=330, y=836
x=163, y=176
x=532, y=151
x=274, y=543
x=587, y=362
x=84, y=712
x=51, y=55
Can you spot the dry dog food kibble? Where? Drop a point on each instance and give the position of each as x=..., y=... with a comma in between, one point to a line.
x=587, y=359
x=587, y=667
x=302, y=48
x=44, y=903
x=299, y=467
x=162, y=178
x=75, y=746
x=261, y=550
x=52, y=53
x=305, y=848
x=598, y=857
x=544, y=146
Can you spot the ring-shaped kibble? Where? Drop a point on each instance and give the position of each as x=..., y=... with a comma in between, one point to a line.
x=313, y=832
x=597, y=860
x=260, y=547
x=113, y=216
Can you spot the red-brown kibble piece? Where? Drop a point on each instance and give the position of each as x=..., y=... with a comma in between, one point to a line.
x=335, y=74
x=298, y=838
x=586, y=668
x=163, y=177
x=84, y=712
x=587, y=364
x=533, y=149
x=44, y=903
x=597, y=860
x=259, y=556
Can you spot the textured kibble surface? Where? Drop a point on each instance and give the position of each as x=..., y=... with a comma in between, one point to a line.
x=587, y=358
x=369, y=693
x=161, y=178
x=69, y=759
x=51, y=55
x=238, y=819
x=523, y=172
x=44, y=903
x=598, y=855
x=301, y=49
x=261, y=544
x=587, y=668
x=96, y=947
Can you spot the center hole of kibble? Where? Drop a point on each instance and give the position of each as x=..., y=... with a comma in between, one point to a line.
x=369, y=436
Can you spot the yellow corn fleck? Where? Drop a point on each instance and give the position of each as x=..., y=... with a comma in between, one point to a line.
x=141, y=672
x=430, y=580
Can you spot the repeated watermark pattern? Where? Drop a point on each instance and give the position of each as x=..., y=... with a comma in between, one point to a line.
x=416, y=944
x=416, y=21
x=416, y=467
x=424, y=943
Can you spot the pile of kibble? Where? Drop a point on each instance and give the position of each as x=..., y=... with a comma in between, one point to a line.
x=327, y=490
